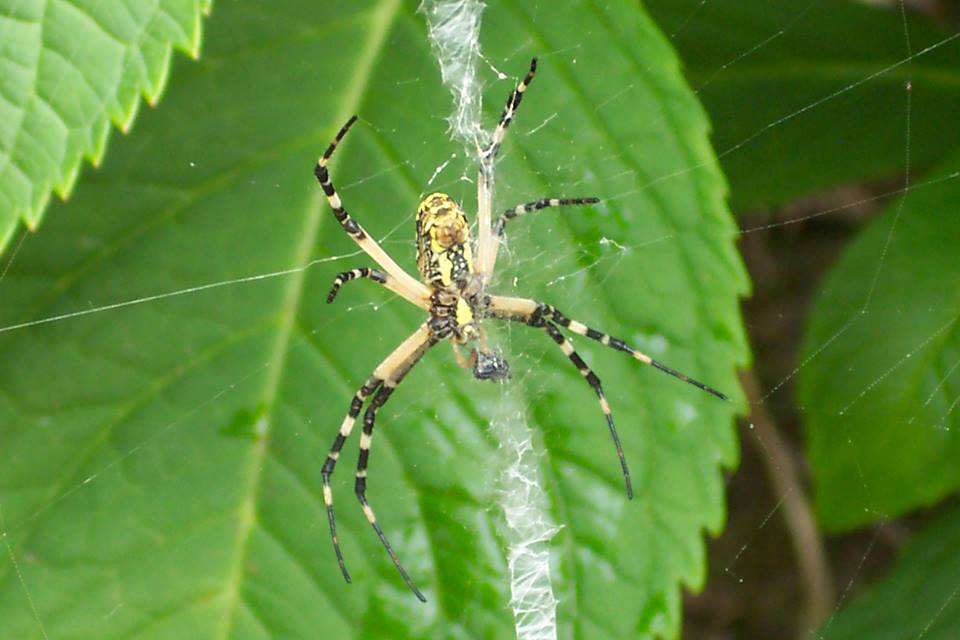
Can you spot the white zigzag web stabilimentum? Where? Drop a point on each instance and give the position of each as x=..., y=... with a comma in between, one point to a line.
x=454, y=31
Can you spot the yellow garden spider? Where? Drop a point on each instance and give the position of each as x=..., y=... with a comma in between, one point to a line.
x=455, y=273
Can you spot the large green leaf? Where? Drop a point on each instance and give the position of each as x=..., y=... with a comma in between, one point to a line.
x=881, y=387
x=160, y=473
x=806, y=95
x=919, y=598
x=67, y=69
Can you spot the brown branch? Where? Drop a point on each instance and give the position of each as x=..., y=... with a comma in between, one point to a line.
x=784, y=476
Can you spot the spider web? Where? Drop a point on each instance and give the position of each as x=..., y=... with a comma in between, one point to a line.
x=454, y=29
x=741, y=559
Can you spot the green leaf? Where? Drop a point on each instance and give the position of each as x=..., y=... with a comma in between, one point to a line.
x=806, y=95
x=160, y=474
x=68, y=69
x=917, y=599
x=883, y=345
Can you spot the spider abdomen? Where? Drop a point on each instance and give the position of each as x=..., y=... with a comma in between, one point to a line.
x=444, y=257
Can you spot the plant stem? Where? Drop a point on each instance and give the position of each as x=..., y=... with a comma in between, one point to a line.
x=785, y=477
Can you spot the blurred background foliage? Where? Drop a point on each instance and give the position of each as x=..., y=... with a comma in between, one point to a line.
x=159, y=471
x=830, y=123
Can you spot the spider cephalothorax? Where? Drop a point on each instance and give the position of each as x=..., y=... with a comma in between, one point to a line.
x=445, y=261
x=455, y=272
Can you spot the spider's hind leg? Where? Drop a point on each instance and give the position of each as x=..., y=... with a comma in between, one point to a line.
x=398, y=280
x=509, y=110
x=362, y=272
x=543, y=203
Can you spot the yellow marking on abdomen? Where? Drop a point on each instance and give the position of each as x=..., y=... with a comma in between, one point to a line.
x=464, y=312
x=443, y=242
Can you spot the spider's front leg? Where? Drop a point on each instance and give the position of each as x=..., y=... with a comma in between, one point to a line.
x=567, y=347
x=548, y=318
x=360, y=484
x=394, y=369
x=526, y=310
x=330, y=464
x=381, y=384
x=529, y=312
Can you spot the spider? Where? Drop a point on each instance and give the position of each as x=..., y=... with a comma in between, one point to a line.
x=454, y=272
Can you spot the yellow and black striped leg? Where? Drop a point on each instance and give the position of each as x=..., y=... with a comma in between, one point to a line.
x=384, y=379
x=323, y=176
x=536, y=205
x=360, y=487
x=594, y=382
x=486, y=251
x=509, y=110
x=548, y=312
x=346, y=276
x=400, y=281
x=331, y=462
